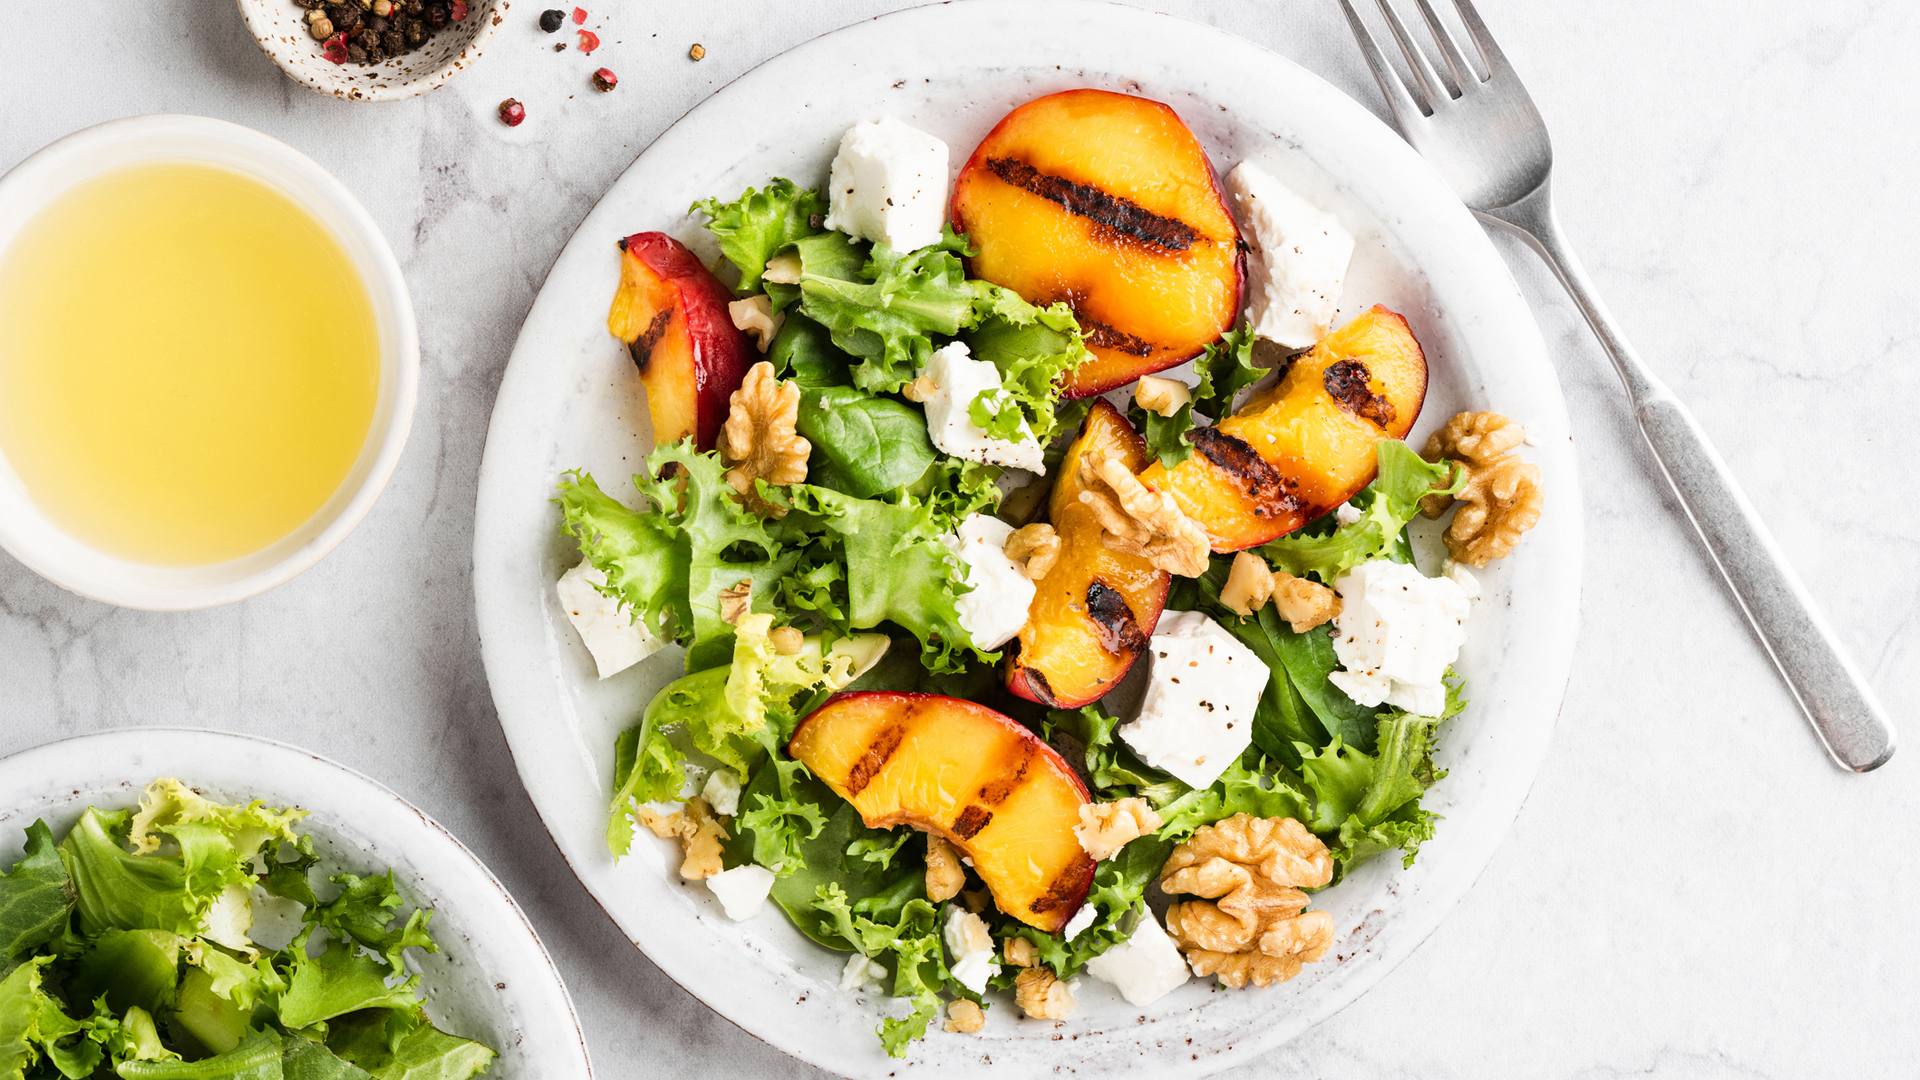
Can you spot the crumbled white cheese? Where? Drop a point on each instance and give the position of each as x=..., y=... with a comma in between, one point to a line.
x=1202, y=688
x=1081, y=920
x=1299, y=260
x=957, y=379
x=889, y=185
x=1144, y=968
x=742, y=891
x=996, y=609
x=609, y=633
x=1458, y=573
x=1346, y=514
x=1396, y=633
x=970, y=948
x=861, y=974
x=722, y=792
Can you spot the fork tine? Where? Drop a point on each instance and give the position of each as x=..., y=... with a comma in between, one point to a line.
x=1429, y=79
x=1406, y=111
x=1463, y=73
x=1490, y=52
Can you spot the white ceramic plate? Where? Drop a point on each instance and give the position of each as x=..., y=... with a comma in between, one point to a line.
x=491, y=980
x=570, y=399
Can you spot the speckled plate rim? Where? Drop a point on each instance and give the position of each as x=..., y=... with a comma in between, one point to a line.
x=266, y=25
x=1453, y=285
x=517, y=999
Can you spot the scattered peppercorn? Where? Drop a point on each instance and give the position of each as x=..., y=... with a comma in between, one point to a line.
x=560, y=47
x=512, y=112
x=579, y=16
x=589, y=41
x=551, y=19
x=383, y=8
x=698, y=52
x=320, y=28
x=604, y=80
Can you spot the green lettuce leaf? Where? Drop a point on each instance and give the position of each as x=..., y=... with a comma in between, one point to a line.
x=1166, y=436
x=1225, y=368
x=1119, y=886
x=884, y=307
x=36, y=898
x=257, y=1057
x=1034, y=349
x=910, y=936
x=340, y=980
x=757, y=225
x=365, y=911
x=116, y=889
x=872, y=445
x=167, y=806
x=897, y=569
x=1386, y=506
x=804, y=351
x=1372, y=800
x=130, y=968
x=643, y=557
x=303, y=1059
x=1239, y=790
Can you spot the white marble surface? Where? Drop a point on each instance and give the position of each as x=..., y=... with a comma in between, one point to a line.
x=1692, y=890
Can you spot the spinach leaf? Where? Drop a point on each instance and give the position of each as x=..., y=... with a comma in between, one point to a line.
x=872, y=444
x=804, y=351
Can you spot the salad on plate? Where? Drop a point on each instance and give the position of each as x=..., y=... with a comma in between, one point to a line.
x=1037, y=552
x=188, y=940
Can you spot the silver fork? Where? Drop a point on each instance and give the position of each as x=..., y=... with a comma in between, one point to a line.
x=1487, y=140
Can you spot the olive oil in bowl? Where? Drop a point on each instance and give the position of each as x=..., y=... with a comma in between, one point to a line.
x=189, y=364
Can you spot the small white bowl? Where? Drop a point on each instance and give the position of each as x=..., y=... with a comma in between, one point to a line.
x=279, y=27
x=25, y=530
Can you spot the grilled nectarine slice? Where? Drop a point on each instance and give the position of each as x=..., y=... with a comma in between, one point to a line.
x=1107, y=202
x=966, y=773
x=1305, y=445
x=672, y=313
x=1094, y=611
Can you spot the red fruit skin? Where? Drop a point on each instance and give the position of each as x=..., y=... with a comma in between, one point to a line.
x=722, y=352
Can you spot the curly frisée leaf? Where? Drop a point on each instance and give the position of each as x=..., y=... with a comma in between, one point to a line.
x=1372, y=800
x=1225, y=368
x=883, y=306
x=1386, y=506
x=1034, y=349
x=757, y=225
x=643, y=557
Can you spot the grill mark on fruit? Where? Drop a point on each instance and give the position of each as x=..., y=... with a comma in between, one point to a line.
x=879, y=752
x=1113, y=621
x=971, y=821
x=1256, y=478
x=995, y=792
x=1066, y=888
x=1103, y=208
x=1042, y=689
x=1347, y=381
x=1102, y=336
x=641, y=348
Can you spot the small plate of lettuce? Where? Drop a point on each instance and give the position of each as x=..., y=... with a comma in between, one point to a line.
x=860, y=547
x=193, y=905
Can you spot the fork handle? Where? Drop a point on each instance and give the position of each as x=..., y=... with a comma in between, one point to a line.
x=1829, y=689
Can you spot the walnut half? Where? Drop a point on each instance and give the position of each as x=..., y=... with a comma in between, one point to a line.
x=1136, y=520
x=1502, y=497
x=1107, y=827
x=1035, y=548
x=1041, y=994
x=759, y=440
x=945, y=876
x=1250, y=925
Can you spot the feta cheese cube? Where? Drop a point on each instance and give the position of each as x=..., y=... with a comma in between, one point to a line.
x=957, y=379
x=996, y=609
x=1458, y=573
x=742, y=891
x=1202, y=687
x=889, y=185
x=1082, y=919
x=1396, y=633
x=861, y=974
x=609, y=633
x=722, y=792
x=1300, y=256
x=1346, y=514
x=971, y=949
x=1144, y=968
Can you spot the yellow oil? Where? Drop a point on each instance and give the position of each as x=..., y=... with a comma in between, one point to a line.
x=188, y=364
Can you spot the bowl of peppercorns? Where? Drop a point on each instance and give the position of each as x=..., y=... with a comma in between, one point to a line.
x=373, y=50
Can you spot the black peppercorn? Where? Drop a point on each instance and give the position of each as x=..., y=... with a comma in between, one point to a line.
x=310, y=4
x=552, y=19
x=392, y=43
x=356, y=54
x=376, y=24
x=415, y=34
x=438, y=14
x=343, y=16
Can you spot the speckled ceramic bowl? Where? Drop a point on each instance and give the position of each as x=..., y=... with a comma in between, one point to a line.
x=280, y=27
